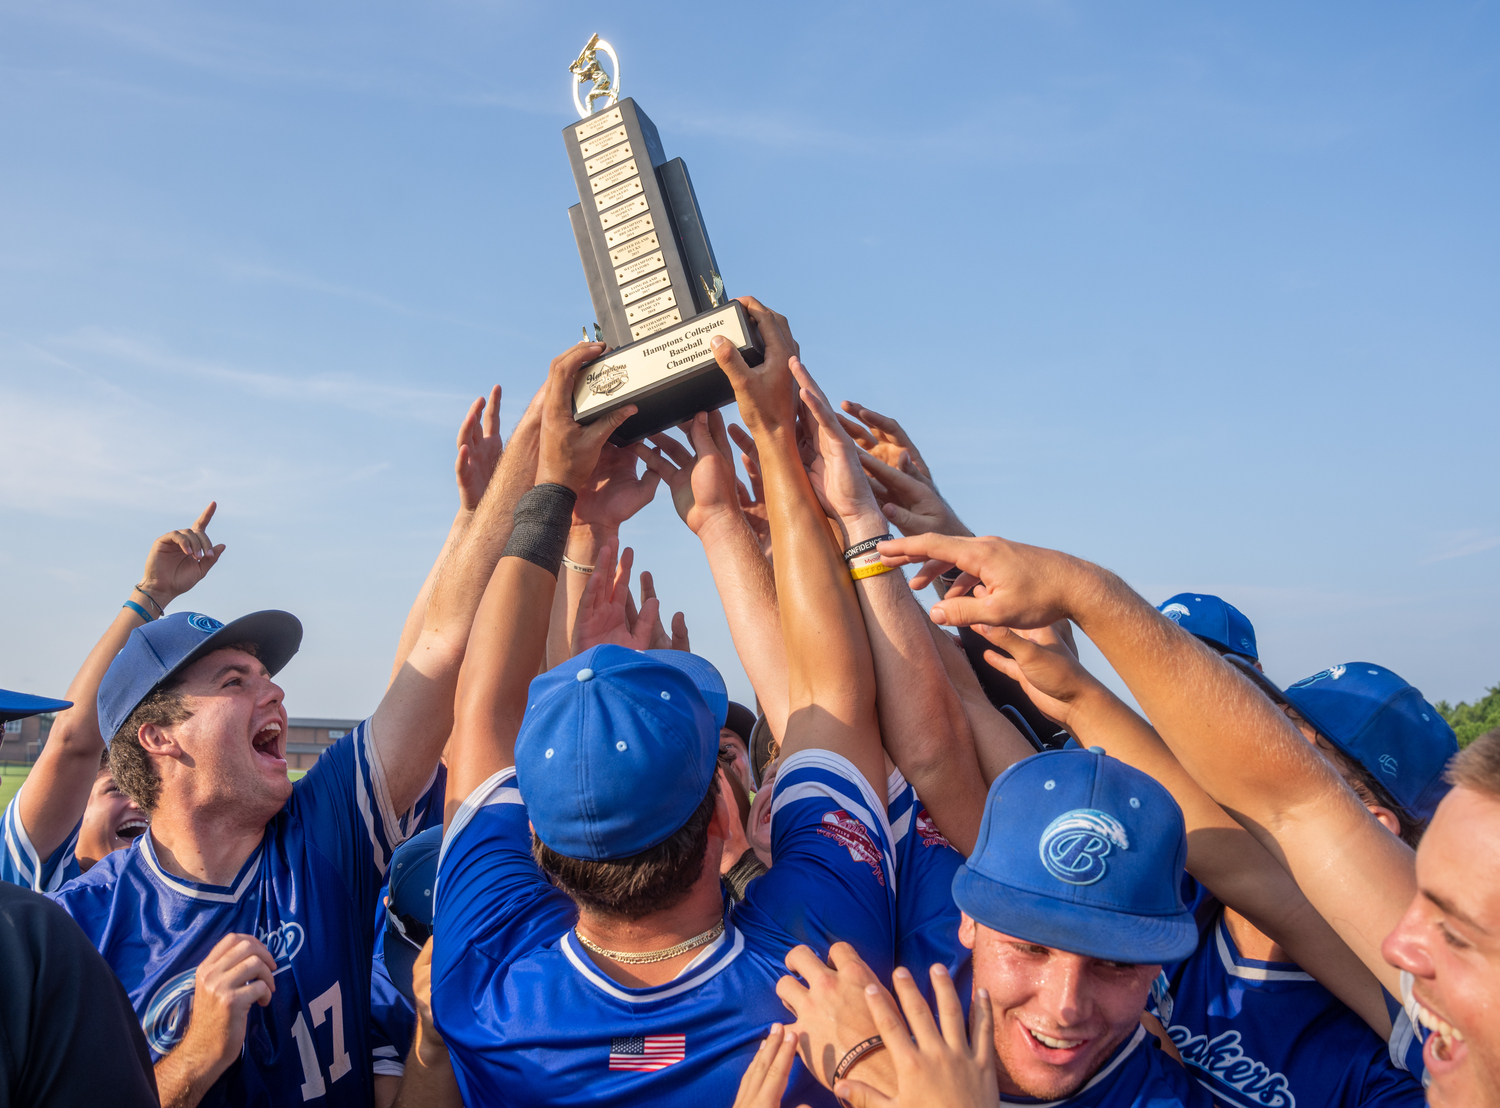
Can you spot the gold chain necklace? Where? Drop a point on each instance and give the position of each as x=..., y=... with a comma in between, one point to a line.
x=635, y=959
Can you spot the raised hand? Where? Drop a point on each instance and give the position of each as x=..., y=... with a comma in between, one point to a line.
x=933, y=1065
x=660, y=640
x=179, y=560
x=479, y=449
x=766, y=393
x=701, y=478
x=1025, y=586
x=615, y=491
x=912, y=504
x=604, y=611
x=765, y=1079
x=833, y=466
x=1043, y=663
x=884, y=437
x=753, y=499
x=569, y=449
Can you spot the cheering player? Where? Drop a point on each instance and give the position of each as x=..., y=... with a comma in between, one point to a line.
x=241, y=923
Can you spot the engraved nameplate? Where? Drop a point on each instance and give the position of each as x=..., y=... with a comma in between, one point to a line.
x=629, y=230
x=659, y=280
x=636, y=367
x=638, y=268
x=613, y=176
x=660, y=302
x=607, y=159
x=623, y=191
x=602, y=142
x=622, y=254
x=621, y=214
x=651, y=326
x=598, y=123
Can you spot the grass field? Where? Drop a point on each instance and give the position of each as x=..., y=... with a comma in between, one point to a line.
x=11, y=777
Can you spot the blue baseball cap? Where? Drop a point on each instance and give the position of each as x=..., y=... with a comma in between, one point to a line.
x=1215, y=621
x=1384, y=724
x=157, y=651
x=1081, y=852
x=408, y=909
x=618, y=748
x=19, y=705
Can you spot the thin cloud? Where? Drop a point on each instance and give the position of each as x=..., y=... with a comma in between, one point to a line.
x=1463, y=543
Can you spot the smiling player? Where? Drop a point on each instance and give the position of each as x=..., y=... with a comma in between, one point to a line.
x=241, y=924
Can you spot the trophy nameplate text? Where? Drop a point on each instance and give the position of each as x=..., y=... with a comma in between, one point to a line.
x=658, y=298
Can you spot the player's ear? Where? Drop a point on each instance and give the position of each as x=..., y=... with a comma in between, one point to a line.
x=156, y=739
x=1387, y=817
x=726, y=811
x=966, y=931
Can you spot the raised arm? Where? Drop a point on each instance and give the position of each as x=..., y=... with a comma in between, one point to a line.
x=706, y=497
x=831, y=679
x=1233, y=741
x=615, y=491
x=1222, y=855
x=57, y=789
x=414, y=719
x=922, y=721
x=508, y=641
x=479, y=451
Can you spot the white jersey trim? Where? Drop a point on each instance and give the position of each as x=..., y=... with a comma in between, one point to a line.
x=1135, y=1041
x=1404, y=1028
x=390, y=819
x=487, y=792
x=672, y=988
x=252, y=868
x=895, y=785
x=18, y=845
x=389, y=1067
x=871, y=813
x=1251, y=973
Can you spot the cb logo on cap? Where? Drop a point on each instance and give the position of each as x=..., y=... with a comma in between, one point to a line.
x=1175, y=612
x=1075, y=844
x=207, y=624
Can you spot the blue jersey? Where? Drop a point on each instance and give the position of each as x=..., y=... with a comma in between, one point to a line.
x=926, y=917
x=1407, y=1035
x=307, y=892
x=20, y=864
x=1137, y=1075
x=393, y=1021
x=529, y=1018
x=1267, y=1035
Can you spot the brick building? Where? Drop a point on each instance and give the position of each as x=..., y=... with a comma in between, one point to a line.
x=305, y=738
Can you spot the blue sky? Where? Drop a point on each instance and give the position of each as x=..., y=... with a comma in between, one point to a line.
x=1206, y=293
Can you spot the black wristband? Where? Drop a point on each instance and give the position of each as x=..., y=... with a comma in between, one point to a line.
x=858, y=1051
x=542, y=517
x=865, y=547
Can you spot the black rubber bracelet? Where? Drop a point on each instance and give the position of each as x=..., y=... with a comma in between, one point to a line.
x=542, y=517
x=869, y=544
x=858, y=1051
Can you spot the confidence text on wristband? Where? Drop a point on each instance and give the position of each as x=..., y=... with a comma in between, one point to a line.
x=869, y=544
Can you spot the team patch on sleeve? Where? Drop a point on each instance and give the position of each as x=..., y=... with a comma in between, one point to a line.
x=848, y=832
x=646, y=1052
x=928, y=831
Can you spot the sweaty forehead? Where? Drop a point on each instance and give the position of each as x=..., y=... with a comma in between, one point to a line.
x=1451, y=872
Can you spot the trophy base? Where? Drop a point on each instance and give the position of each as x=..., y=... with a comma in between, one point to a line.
x=669, y=376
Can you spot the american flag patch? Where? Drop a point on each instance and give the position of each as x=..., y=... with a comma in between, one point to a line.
x=646, y=1052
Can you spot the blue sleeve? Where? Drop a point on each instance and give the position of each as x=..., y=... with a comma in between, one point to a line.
x=21, y=865
x=346, y=813
x=491, y=895
x=833, y=877
x=392, y=1020
x=1407, y=1035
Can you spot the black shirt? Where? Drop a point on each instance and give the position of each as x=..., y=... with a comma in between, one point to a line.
x=67, y=1032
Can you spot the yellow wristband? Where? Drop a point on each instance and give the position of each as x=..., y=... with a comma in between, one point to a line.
x=870, y=571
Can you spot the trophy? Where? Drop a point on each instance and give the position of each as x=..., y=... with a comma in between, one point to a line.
x=658, y=298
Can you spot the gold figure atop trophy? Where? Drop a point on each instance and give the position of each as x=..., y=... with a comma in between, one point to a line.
x=657, y=295
x=588, y=70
